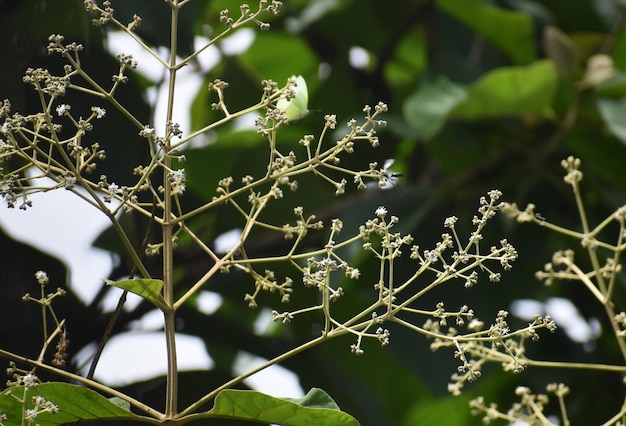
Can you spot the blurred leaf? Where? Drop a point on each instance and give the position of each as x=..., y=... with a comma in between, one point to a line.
x=43, y=18
x=587, y=43
x=228, y=149
x=75, y=403
x=510, y=31
x=409, y=59
x=561, y=49
x=613, y=112
x=269, y=53
x=614, y=86
x=316, y=407
x=512, y=91
x=619, y=51
x=427, y=109
x=453, y=410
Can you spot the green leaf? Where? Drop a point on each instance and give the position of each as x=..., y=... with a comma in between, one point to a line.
x=612, y=87
x=122, y=403
x=409, y=59
x=613, y=112
x=316, y=407
x=509, y=30
x=427, y=109
x=434, y=411
x=511, y=91
x=267, y=55
x=149, y=289
x=75, y=403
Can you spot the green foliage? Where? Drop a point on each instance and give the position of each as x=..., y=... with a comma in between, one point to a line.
x=511, y=92
x=73, y=404
x=481, y=95
x=509, y=30
x=316, y=407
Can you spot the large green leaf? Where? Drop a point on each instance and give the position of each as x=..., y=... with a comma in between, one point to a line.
x=512, y=91
x=510, y=31
x=427, y=109
x=316, y=407
x=75, y=403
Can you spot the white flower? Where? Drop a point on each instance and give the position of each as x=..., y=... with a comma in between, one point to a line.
x=381, y=211
x=63, y=109
x=147, y=131
x=450, y=221
x=177, y=176
x=100, y=112
x=114, y=188
x=42, y=277
x=30, y=380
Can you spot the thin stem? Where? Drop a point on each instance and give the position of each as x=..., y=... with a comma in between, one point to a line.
x=167, y=233
x=103, y=93
x=49, y=340
x=576, y=366
x=237, y=24
x=44, y=317
x=585, y=280
x=616, y=259
x=218, y=123
x=563, y=409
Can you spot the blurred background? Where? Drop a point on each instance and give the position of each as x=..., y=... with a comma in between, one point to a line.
x=482, y=95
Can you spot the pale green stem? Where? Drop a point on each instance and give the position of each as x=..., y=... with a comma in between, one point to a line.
x=49, y=340
x=593, y=256
x=167, y=234
x=563, y=409
x=326, y=304
x=576, y=366
x=590, y=248
x=44, y=317
x=585, y=280
x=616, y=258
